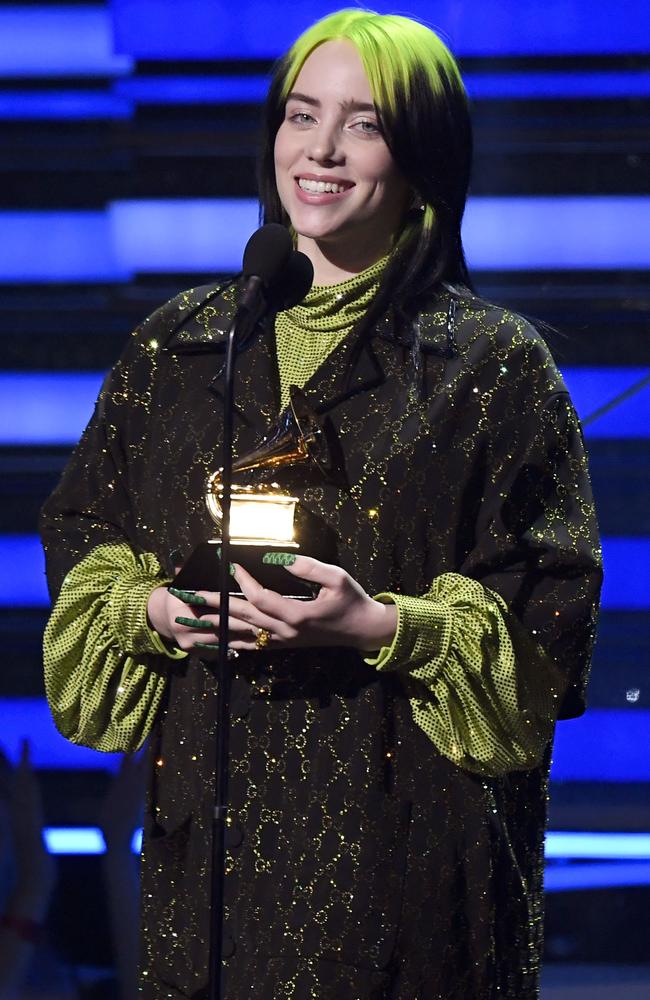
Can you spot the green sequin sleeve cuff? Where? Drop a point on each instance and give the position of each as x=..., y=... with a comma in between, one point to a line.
x=480, y=687
x=423, y=626
x=104, y=667
x=128, y=611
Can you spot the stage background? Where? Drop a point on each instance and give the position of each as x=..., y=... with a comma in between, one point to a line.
x=128, y=123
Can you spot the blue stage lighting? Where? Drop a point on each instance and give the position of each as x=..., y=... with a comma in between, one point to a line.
x=66, y=40
x=143, y=236
x=74, y=840
x=195, y=29
x=46, y=408
x=592, y=388
x=626, y=586
x=193, y=235
x=41, y=408
x=48, y=245
x=31, y=719
x=557, y=233
x=550, y=85
x=577, y=878
x=126, y=94
x=603, y=745
x=62, y=105
x=602, y=846
x=193, y=89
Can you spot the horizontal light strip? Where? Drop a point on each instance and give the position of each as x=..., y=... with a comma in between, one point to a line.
x=194, y=89
x=80, y=40
x=63, y=105
x=558, y=878
x=557, y=233
x=512, y=233
x=42, y=408
x=626, y=586
x=74, y=840
x=524, y=86
x=576, y=878
x=52, y=41
x=602, y=846
x=122, y=99
x=603, y=745
x=592, y=389
x=30, y=719
x=46, y=408
x=159, y=29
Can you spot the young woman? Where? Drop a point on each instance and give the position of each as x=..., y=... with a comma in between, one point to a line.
x=388, y=795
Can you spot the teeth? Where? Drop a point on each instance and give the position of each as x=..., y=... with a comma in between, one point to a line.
x=320, y=187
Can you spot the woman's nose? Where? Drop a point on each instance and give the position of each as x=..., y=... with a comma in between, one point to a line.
x=323, y=144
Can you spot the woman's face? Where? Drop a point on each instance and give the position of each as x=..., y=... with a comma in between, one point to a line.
x=335, y=176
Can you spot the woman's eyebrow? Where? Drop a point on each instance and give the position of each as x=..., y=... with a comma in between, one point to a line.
x=350, y=105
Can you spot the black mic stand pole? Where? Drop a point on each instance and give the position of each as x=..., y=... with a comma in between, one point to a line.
x=224, y=681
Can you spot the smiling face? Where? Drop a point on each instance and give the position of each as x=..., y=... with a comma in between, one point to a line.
x=334, y=173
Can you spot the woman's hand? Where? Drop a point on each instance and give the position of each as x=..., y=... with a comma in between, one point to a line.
x=342, y=614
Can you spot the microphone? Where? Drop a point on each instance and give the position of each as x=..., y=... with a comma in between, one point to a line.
x=266, y=256
x=294, y=282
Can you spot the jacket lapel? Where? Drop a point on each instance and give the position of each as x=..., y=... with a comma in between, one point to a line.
x=354, y=367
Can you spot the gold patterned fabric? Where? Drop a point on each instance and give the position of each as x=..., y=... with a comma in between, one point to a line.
x=362, y=860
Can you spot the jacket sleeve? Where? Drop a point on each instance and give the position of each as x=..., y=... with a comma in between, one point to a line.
x=492, y=656
x=105, y=669
x=103, y=678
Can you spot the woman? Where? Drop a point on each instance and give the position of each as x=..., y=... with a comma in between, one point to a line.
x=388, y=797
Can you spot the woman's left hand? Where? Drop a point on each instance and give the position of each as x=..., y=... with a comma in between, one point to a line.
x=342, y=614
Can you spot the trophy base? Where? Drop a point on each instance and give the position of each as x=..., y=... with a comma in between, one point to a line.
x=201, y=570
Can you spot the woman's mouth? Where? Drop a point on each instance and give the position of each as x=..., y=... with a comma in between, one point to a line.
x=322, y=187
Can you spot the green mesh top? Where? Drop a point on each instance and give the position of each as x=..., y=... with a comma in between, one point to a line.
x=479, y=713
x=306, y=334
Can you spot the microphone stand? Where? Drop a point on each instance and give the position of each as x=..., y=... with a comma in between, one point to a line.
x=224, y=679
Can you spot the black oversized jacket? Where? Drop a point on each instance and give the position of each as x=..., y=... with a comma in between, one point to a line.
x=362, y=862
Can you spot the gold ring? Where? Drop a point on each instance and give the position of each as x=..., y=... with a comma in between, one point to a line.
x=263, y=638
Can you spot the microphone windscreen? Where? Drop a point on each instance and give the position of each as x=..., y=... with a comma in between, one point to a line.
x=267, y=253
x=296, y=280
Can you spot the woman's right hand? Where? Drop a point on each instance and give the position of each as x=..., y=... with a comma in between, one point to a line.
x=175, y=619
x=186, y=619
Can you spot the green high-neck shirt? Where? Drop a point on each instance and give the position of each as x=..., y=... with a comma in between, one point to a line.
x=308, y=333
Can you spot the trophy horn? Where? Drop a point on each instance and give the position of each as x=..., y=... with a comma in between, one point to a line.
x=298, y=436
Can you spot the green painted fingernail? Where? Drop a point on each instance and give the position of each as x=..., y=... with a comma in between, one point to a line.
x=279, y=558
x=187, y=596
x=231, y=568
x=193, y=622
x=206, y=645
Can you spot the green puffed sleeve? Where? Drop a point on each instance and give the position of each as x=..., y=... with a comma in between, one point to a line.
x=104, y=665
x=480, y=688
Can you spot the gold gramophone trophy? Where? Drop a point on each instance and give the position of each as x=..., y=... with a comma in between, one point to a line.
x=262, y=515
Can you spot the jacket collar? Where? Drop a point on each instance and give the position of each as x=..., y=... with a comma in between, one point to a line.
x=200, y=324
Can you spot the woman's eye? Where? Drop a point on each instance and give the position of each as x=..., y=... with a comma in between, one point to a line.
x=301, y=117
x=367, y=127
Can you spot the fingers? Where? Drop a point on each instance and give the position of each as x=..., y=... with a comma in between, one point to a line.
x=269, y=609
x=307, y=568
